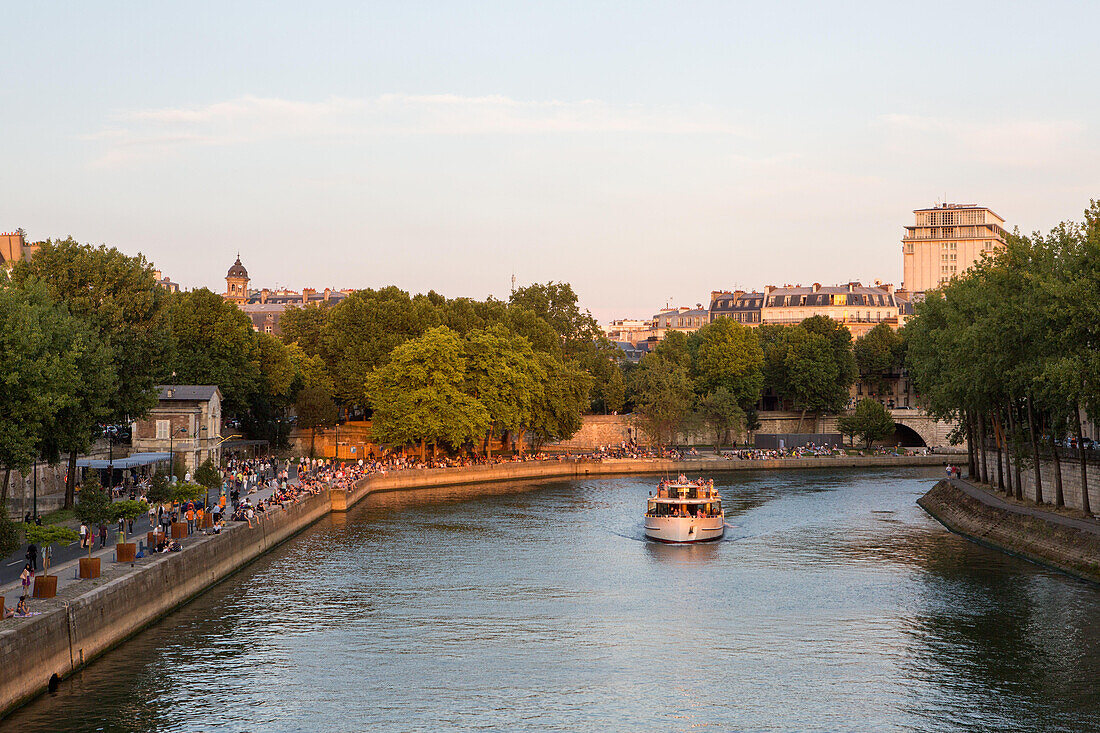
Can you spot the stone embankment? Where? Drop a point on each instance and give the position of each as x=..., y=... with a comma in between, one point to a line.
x=1070, y=544
x=80, y=625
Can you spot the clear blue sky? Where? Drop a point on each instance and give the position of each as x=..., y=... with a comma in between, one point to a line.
x=644, y=152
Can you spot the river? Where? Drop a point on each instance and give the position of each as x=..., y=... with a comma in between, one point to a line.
x=833, y=604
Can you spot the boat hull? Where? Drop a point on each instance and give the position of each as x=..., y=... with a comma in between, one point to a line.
x=684, y=530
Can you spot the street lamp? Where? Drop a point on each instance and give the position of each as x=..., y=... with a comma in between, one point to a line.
x=110, y=432
x=171, y=451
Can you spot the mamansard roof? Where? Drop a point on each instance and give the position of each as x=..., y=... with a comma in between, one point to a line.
x=187, y=392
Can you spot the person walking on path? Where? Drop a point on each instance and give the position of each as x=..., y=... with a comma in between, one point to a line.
x=190, y=520
x=83, y=535
x=32, y=556
x=102, y=536
x=27, y=577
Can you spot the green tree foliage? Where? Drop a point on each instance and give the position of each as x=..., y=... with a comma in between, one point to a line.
x=47, y=535
x=720, y=411
x=94, y=506
x=160, y=489
x=315, y=409
x=559, y=400
x=41, y=350
x=729, y=356
x=215, y=344
x=418, y=394
x=870, y=421
x=501, y=373
x=184, y=492
x=306, y=325
x=879, y=354
x=364, y=329
x=9, y=533
x=208, y=476
x=663, y=397
x=118, y=296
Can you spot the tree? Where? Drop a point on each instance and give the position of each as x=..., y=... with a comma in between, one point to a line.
x=129, y=510
x=558, y=401
x=315, y=409
x=721, y=413
x=94, y=506
x=49, y=534
x=210, y=478
x=215, y=344
x=365, y=328
x=870, y=420
x=501, y=373
x=809, y=372
x=41, y=347
x=663, y=397
x=878, y=355
x=9, y=533
x=160, y=489
x=305, y=325
x=729, y=356
x=418, y=395
x=119, y=298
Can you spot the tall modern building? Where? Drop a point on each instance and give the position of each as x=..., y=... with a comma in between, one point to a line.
x=945, y=241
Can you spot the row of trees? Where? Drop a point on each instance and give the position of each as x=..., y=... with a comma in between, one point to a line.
x=717, y=377
x=86, y=334
x=456, y=372
x=1012, y=350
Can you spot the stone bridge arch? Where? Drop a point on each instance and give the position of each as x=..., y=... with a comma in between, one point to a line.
x=932, y=432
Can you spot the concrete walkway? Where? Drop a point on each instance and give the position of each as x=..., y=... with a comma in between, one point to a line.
x=66, y=559
x=992, y=499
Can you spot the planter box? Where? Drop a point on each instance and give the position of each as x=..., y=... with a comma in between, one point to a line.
x=179, y=530
x=45, y=586
x=125, y=552
x=89, y=567
x=207, y=520
x=151, y=539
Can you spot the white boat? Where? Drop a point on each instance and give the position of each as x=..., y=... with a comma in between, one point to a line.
x=685, y=511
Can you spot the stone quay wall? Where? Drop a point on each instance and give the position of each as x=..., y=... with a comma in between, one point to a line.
x=62, y=641
x=1068, y=549
x=1071, y=480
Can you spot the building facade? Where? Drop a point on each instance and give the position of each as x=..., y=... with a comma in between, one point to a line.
x=14, y=247
x=186, y=421
x=742, y=307
x=945, y=241
x=265, y=307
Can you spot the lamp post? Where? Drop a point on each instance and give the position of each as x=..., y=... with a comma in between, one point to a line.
x=171, y=451
x=110, y=431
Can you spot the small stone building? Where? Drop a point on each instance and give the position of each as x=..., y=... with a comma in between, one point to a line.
x=187, y=421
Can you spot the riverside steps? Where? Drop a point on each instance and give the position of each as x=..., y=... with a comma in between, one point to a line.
x=1060, y=540
x=90, y=617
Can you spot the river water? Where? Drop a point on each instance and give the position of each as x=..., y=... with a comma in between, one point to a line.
x=833, y=604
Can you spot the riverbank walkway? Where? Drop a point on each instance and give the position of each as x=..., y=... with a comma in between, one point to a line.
x=990, y=497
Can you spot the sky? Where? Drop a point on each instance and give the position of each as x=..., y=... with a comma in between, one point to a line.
x=647, y=153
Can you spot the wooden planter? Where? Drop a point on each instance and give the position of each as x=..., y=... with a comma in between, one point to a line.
x=151, y=539
x=207, y=520
x=125, y=552
x=45, y=586
x=89, y=567
x=179, y=530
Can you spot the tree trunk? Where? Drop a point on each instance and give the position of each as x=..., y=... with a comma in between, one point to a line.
x=312, y=440
x=1085, y=505
x=1008, y=455
x=4, y=488
x=1059, y=497
x=1017, y=470
x=998, y=435
x=800, y=419
x=423, y=449
x=984, y=467
x=1014, y=475
x=971, y=447
x=70, y=482
x=1035, y=452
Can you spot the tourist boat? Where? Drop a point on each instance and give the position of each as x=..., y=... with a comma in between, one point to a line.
x=685, y=511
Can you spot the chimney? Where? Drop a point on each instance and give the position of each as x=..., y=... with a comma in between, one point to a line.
x=769, y=288
x=264, y=295
x=817, y=287
x=888, y=287
x=328, y=292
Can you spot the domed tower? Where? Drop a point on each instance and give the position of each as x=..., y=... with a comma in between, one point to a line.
x=236, y=283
